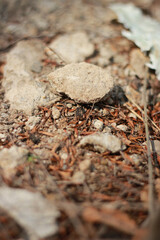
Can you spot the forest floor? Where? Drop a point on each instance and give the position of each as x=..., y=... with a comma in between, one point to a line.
x=97, y=194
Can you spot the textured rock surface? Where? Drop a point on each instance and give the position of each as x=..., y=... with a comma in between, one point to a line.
x=82, y=82
x=22, y=89
x=103, y=142
x=73, y=47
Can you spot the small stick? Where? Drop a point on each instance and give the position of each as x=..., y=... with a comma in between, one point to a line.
x=150, y=167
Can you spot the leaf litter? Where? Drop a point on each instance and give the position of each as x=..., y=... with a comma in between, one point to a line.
x=93, y=194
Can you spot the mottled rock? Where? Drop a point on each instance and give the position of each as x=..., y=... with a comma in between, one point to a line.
x=22, y=89
x=98, y=124
x=82, y=82
x=73, y=47
x=102, y=142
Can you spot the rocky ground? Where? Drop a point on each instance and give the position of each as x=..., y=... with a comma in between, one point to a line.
x=73, y=154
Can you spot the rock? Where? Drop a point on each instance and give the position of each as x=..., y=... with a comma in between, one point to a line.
x=102, y=142
x=132, y=115
x=84, y=165
x=78, y=178
x=22, y=89
x=32, y=121
x=122, y=127
x=55, y=113
x=82, y=82
x=138, y=62
x=31, y=211
x=98, y=124
x=73, y=47
x=107, y=130
x=11, y=158
x=137, y=159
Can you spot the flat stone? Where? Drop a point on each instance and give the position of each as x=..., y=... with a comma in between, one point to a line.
x=83, y=82
x=102, y=142
x=22, y=89
x=73, y=47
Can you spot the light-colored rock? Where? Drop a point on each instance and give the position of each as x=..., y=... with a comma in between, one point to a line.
x=73, y=47
x=78, y=177
x=22, y=89
x=98, y=124
x=103, y=142
x=107, y=130
x=55, y=113
x=84, y=165
x=11, y=158
x=138, y=61
x=31, y=211
x=122, y=127
x=82, y=82
x=132, y=115
x=32, y=121
x=137, y=159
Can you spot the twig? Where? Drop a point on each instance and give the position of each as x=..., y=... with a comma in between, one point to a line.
x=150, y=168
x=141, y=110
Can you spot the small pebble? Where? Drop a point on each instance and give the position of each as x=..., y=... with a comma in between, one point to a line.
x=55, y=113
x=84, y=165
x=78, y=177
x=122, y=127
x=132, y=115
x=98, y=124
x=137, y=159
x=69, y=105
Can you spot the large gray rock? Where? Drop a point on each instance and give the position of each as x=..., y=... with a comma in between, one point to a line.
x=73, y=47
x=82, y=82
x=22, y=89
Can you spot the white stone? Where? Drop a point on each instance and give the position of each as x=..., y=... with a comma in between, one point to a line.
x=132, y=115
x=82, y=82
x=55, y=113
x=32, y=121
x=78, y=177
x=137, y=159
x=11, y=158
x=103, y=142
x=31, y=211
x=98, y=124
x=74, y=47
x=122, y=127
x=84, y=165
x=22, y=89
